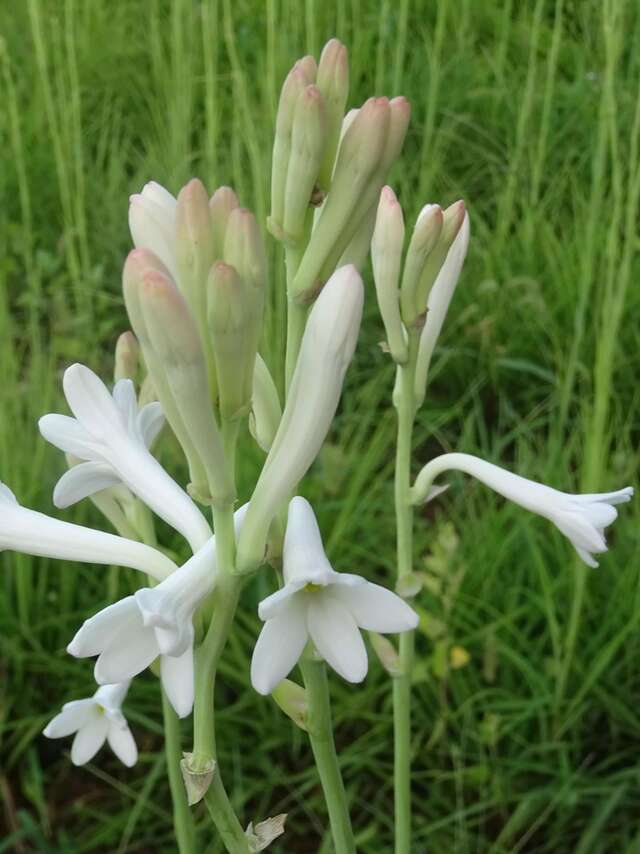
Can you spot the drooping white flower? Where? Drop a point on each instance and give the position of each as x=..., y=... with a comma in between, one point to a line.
x=152, y=222
x=581, y=518
x=113, y=438
x=321, y=605
x=33, y=533
x=155, y=621
x=95, y=720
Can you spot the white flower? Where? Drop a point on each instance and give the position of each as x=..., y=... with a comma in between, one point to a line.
x=95, y=720
x=324, y=606
x=155, y=621
x=581, y=518
x=152, y=222
x=113, y=437
x=33, y=533
x=327, y=347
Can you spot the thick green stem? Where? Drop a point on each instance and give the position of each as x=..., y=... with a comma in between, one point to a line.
x=182, y=818
x=405, y=405
x=320, y=731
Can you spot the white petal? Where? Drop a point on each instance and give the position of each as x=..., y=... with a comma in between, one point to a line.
x=73, y=716
x=176, y=673
x=112, y=696
x=278, y=648
x=152, y=227
x=6, y=496
x=161, y=196
x=89, y=740
x=575, y=526
x=67, y=434
x=90, y=401
x=120, y=619
x=599, y=514
x=619, y=496
x=376, y=609
x=150, y=422
x=83, y=480
x=336, y=637
x=123, y=745
x=274, y=604
x=586, y=557
x=126, y=656
x=303, y=554
x=124, y=397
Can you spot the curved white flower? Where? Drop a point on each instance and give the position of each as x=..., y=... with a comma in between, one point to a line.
x=94, y=721
x=155, y=621
x=113, y=438
x=152, y=222
x=581, y=518
x=321, y=605
x=33, y=533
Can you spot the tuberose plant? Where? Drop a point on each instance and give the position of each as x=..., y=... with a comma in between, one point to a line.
x=194, y=289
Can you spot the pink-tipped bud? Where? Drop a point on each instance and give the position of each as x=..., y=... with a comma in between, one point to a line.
x=386, y=257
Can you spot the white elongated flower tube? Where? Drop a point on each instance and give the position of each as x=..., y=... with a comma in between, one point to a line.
x=152, y=222
x=581, y=518
x=327, y=347
x=155, y=621
x=318, y=604
x=95, y=720
x=33, y=533
x=438, y=305
x=112, y=437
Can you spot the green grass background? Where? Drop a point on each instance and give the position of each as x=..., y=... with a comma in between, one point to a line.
x=531, y=112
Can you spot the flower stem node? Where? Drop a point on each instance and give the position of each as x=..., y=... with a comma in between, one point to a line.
x=263, y=834
x=320, y=605
x=196, y=779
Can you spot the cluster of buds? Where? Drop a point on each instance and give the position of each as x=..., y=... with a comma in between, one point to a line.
x=328, y=168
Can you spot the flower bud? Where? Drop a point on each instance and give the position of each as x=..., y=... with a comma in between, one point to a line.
x=359, y=157
x=357, y=251
x=438, y=305
x=308, y=138
x=265, y=406
x=423, y=240
x=333, y=82
x=152, y=222
x=221, y=204
x=244, y=249
x=295, y=83
x=327, y=346
x=127, y=357
x=452, y=221
x=173, y=355
x=234, y=335
x=386, y=257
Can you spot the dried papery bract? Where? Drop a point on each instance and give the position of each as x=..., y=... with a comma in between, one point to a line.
x=327, y=347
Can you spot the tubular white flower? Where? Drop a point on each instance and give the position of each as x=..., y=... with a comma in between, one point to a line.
x=320, y=605
x=158, y=621
x=95, y=720
x=326, y=350
x=581, y=518
x=112, y=437
x=33, y=533
x=438, y=305
x=152, y=222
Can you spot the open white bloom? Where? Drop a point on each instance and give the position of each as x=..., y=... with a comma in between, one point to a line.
x=113, y=437
x=155, y=621
x=95, y=720
x=33, y=533
x=318, y=604
x=152, y=222
x=581, y=518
